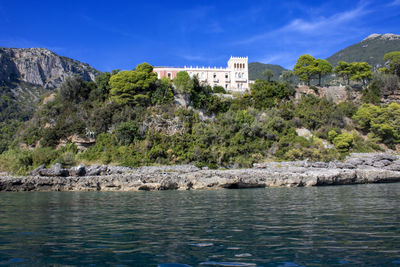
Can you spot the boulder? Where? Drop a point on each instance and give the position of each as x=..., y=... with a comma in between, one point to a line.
x=38, y=170
x=54, y=170
x=77, y=171
x=354, y=161
x=381, y=157
x=382, y=163
x=97, y=170
x=168, y=184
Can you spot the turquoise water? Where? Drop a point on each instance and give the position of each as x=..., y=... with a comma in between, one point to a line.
x=342, y=225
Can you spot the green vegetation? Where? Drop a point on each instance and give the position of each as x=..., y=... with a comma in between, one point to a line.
x=355, y=71
x=132, y=118
x=268, y=74
x=256, y=70
x=370, y=51
x=381, y=123
x=394, y=62
x=307, y=67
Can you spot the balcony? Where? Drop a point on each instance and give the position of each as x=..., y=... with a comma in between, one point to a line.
x=240, y=79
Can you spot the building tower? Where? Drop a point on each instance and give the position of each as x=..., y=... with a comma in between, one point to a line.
x=239, y=71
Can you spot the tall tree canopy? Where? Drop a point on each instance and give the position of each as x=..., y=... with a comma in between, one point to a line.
x=268, y=74
x=183, y=83
x=343, y=70
x=305, y=68
x=323, y=68
x=355, y=71
x=361, y=71
x=133, y=87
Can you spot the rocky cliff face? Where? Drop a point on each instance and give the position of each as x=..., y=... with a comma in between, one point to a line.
x=41, y=67
x=28, y=73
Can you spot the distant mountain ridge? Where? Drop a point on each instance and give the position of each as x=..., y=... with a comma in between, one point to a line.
x=371, y=50
x=256, y=70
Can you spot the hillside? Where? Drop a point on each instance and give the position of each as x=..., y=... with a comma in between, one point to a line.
x=371, y=50
x=256, y=69
x=27, y=73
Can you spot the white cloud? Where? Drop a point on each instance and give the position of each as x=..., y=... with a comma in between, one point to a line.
x=319, y=26
x=394, y=3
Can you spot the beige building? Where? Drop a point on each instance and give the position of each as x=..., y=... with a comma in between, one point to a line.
x=234, y=78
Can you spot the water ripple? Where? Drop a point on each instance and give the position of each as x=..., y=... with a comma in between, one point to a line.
x=356, y=225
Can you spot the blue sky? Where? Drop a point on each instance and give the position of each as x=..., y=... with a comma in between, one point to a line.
x=121, y=34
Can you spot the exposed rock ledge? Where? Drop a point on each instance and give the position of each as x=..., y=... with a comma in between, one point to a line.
x=360, y=169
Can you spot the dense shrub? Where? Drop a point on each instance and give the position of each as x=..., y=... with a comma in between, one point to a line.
x=382, y=123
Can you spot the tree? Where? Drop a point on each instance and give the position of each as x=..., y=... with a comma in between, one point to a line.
x=267, y=94
x=126, y=132
x=343, y=142
x=102, y=84
x=133, y=87
x=383, y=122
x=76, y=90
x=183, y=83
x=145, y=67
x=305, y=68
x=163, y=93
x=217, y=89
x=394, y=62
x=323, y=68
x=343, y=70
x=287, y=76
x=268, y=74
x=361, y=71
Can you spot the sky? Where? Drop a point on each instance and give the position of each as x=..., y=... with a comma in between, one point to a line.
x=121, y=34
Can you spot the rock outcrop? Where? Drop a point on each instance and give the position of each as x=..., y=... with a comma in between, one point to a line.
x=41, y=67
x=359, y=169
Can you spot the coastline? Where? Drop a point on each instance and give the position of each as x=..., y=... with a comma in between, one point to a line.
x=358, y=169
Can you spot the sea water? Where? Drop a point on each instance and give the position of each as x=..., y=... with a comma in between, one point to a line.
x=338, y=225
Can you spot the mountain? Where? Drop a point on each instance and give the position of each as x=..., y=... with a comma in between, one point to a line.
x=40, y=67
x=27, y=73
x=256, y=69
x=371, y=50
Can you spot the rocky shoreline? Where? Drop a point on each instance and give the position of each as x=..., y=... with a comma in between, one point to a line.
x=357, y=169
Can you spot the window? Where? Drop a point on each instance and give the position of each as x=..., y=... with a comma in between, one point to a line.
x=169, y=75
x=215, y=75
x=226, y=76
